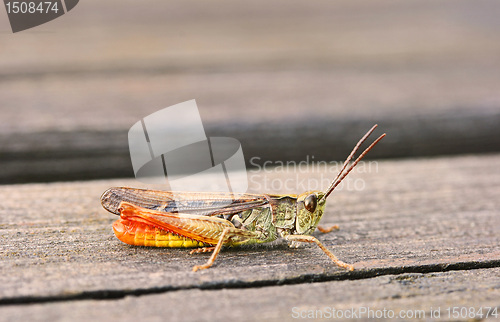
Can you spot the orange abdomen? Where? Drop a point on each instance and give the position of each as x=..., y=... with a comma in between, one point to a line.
x=142, y=234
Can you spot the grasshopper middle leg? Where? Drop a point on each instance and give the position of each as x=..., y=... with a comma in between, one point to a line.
x=227, y=234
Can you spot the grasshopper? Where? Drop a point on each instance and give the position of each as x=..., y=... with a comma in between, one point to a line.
x=210, y=220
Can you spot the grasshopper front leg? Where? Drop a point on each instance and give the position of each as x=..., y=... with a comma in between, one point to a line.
x=311, y=239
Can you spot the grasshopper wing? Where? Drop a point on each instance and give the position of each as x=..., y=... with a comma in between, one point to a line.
x=197, y=203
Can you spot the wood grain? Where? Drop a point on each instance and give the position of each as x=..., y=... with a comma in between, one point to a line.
x=415, y=221
x=286, y=79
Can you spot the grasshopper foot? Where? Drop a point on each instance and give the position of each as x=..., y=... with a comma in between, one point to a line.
x=198, y=267
x=325, y=230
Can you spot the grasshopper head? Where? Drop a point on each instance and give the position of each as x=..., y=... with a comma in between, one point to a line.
x=310, y=208
x=311, y=204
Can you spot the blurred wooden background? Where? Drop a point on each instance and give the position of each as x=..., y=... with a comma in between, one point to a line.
x=286, y=78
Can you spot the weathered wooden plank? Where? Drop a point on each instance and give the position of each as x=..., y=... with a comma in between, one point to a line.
x=397, y=216
x=281, y=90
x=419, y=297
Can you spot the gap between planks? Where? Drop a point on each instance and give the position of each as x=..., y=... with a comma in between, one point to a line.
x=303, y=279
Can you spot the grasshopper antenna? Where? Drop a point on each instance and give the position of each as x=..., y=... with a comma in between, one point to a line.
x=341, y=174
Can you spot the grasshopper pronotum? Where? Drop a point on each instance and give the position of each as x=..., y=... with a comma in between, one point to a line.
x=197, y=219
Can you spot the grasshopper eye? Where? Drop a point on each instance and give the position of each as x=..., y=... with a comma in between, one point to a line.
x=311, y=202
